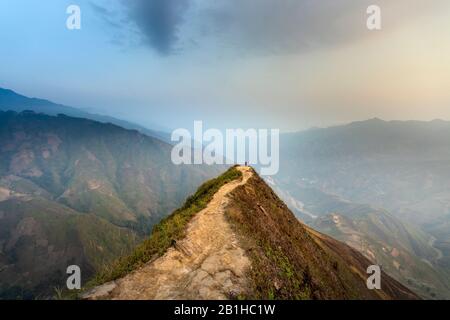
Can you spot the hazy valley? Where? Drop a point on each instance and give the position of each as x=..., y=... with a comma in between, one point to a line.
x=383, y=188
x=75, y=191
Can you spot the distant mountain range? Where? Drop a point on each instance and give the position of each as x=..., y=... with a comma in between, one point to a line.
x=10, y=100
x=77, y=191
x=79, y=188
x=377, y=184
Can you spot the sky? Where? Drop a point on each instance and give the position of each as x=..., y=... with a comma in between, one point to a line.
x=232, y=63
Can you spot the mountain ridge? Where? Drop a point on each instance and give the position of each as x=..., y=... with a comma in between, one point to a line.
x=245, y=243
x=13, y=101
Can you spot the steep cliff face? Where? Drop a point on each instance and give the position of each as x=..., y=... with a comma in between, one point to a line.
x=244, y=243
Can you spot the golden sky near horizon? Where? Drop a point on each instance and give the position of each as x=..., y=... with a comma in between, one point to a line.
x=402, y=74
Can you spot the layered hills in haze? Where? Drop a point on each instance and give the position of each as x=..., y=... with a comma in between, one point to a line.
x=84, y=189
x=383, y=187
x=12, y=101
x=76, y=191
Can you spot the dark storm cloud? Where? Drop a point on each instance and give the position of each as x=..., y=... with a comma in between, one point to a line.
x=158, y=21
x=271, y=25
x=261, y=26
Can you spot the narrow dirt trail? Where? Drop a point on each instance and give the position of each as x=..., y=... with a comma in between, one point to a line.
x=207, y=264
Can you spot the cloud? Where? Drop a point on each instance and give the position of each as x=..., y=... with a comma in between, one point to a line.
x=104, y=13
x=296, y=26
x=274, y=26
x=158, y=21
x=260, y=26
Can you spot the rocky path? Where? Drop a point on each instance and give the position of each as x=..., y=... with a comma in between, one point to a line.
x=207, y=264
